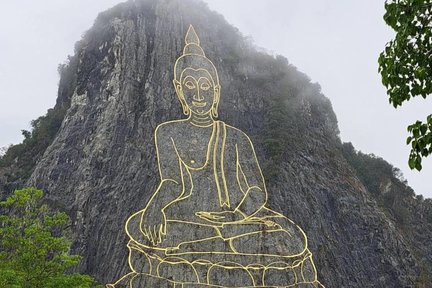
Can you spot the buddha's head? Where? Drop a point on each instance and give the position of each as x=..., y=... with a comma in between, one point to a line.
x=196, y=81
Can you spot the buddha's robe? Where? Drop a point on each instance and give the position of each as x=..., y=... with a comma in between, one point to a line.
x=231, y=179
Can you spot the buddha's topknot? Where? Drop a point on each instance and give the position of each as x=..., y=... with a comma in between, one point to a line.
x=192, y=43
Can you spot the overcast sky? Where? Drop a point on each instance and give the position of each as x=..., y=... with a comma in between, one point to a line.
x=335, y=42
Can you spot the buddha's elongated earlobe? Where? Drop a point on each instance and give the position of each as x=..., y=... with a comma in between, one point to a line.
x=179, y=92
x=186, y=110
x=214, y=109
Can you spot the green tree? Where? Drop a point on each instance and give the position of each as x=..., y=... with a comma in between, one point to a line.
x=33, y=253
x=406, y=66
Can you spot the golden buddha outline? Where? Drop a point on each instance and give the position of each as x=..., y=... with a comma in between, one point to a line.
x=208, y=218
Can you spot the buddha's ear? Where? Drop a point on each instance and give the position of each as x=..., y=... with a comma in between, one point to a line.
x=217, y=93
x=177, y=87
x=216, y=100
x=179, y=92
x=217, y=88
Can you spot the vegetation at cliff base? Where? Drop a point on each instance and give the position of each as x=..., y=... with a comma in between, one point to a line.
x=406, y=67
x=33, y=252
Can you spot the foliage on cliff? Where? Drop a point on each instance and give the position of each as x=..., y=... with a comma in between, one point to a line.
x=411, y=213
x=382, y=180
x=18, y=162
x=284, y=125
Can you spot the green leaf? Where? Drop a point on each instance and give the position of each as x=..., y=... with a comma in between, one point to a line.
x=418, y=165
x=31, y=254
x=411, y=163
x=408, y=140
x=423, y=129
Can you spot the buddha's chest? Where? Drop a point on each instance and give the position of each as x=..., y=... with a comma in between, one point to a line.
x=194, y=149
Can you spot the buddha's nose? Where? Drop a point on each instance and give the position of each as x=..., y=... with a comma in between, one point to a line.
x=197, y=96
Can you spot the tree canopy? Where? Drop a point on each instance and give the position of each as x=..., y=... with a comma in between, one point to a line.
x=406, y=66
x=33, y=252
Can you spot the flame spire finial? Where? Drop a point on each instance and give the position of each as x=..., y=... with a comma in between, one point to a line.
x=192, y=41
x=192, y=37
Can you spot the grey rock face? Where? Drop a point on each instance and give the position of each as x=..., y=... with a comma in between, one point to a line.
x=207, y=222
x=102, y=167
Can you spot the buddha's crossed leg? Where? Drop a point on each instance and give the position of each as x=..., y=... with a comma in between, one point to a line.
x=272, y=246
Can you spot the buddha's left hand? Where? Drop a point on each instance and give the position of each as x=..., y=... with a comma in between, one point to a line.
x=221, y=217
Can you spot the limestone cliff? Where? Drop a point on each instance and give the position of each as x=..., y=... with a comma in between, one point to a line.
x=101, y=165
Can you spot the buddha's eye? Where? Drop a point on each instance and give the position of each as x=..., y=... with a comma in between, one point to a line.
x=205, y=86
x=190, y=85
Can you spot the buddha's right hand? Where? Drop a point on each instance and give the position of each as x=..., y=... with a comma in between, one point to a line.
x=153, y=225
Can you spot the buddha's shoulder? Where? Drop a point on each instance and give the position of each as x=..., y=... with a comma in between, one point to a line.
x=236, y=133
x=169, y=128
x=173, y=128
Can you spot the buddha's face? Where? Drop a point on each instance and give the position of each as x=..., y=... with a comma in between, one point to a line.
x=198, y=90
